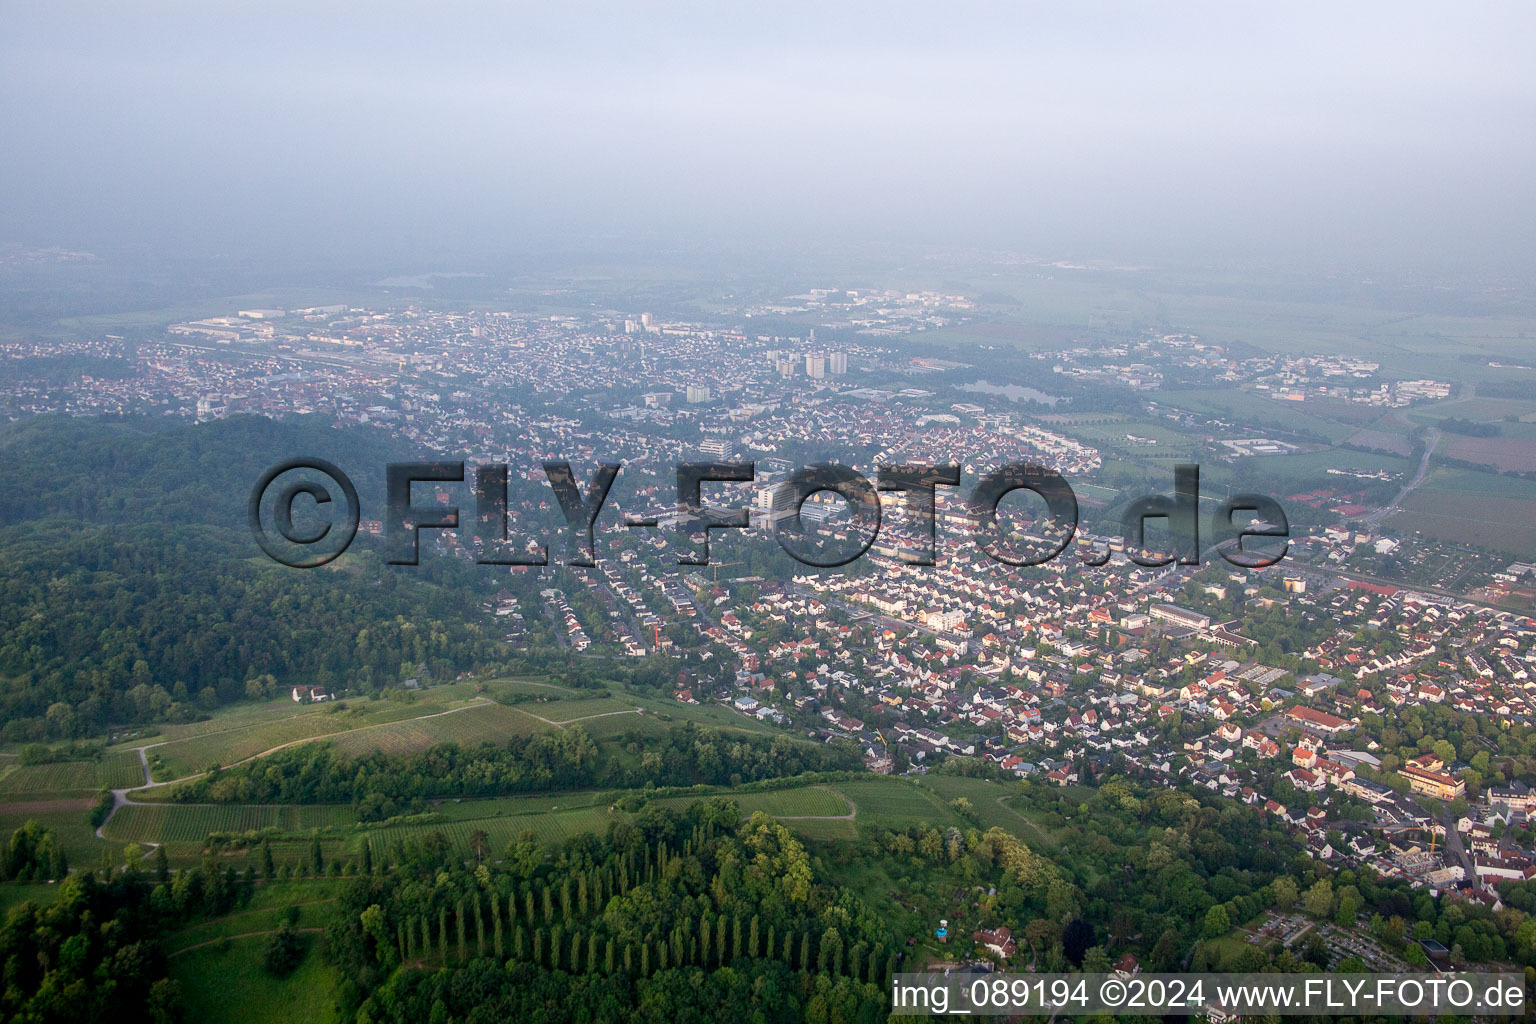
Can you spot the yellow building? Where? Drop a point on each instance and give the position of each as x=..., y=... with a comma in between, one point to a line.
x=1430, y=783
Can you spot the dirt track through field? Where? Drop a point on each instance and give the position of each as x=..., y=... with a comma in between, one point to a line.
x=242, y=935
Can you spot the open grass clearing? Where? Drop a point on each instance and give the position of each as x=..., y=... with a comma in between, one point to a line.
x=230, y=984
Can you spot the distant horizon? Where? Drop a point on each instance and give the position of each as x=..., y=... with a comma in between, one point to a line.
x=1381, y=136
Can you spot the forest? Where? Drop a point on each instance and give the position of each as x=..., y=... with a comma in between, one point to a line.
x=93, y=952
x=136, y=595
x=687, y=917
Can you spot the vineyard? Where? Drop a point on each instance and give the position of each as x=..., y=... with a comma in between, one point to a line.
x=487, y=723
x=194, y=754
x=563, y=711
x=500, y=688
x=823, y=829
x=898, y=804
x=113, y=771
x=173, y=823
x=493, y=807
x=188, y=757
x=441, y=715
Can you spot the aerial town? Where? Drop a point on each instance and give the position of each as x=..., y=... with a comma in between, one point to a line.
x=1286, y=689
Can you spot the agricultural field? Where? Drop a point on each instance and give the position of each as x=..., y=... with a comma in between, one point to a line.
x=823, y=830
x=555, y=818
x=244, y=716
x=469, y=726
x=1475, y=508
x=611, y=727
x=1382, y=439
x=1501, y=524
x=247, y=736
x=14, y=894
x=1476, y=407
x=803, y=802
x=115, y=770
x=181, y=823
x=181, y=758
x=1096, y=493
x=1309, y=470
x=223, y=720
x=295, y=853
x=1257, y=412
x=1465, y=481
x=1501, y=454
x=896, y=803
x=837, y=811
x=468, y=809
x=565, y=711
x=1154, y=438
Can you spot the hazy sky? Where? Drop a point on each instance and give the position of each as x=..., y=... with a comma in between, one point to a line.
x=1130, y=130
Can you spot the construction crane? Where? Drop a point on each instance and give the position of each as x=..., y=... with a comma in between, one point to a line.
x=717, y=566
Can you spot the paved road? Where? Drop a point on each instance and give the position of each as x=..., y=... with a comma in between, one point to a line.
x=1453, y=846
x=1433, y=439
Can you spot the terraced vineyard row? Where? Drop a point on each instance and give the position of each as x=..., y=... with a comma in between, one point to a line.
x=144, y=823
x=823, y=829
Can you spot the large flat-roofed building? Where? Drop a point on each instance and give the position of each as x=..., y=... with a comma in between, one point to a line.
x=1180, y=616
x=1318, y=721
x=1365, y=789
